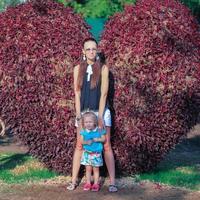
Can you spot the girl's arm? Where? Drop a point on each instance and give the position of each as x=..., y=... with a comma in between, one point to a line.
x=86, y=142
x=101, y=139
x=104, y=92
x=77, y=93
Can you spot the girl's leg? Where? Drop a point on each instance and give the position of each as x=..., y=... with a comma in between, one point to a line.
x=88, y=173
x=76, y=158
x=109, y=157
x=87, y=186
x=96, y=174
x=96, y=186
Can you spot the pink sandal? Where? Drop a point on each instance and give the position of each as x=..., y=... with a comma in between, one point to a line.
x=87, y=187
x=95, y=187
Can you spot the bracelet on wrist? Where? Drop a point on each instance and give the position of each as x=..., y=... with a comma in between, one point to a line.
x=78, y=118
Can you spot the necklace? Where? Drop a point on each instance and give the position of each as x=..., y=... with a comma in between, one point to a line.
x=89, y=72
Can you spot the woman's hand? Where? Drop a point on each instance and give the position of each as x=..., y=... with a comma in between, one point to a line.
x=79, y=121
x=80, y=124
x=100, y=123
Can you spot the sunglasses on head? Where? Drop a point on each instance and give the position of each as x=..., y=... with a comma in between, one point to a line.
x=91, y=49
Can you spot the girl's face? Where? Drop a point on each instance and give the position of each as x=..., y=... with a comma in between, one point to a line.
x=89, y=122
x=90, y=50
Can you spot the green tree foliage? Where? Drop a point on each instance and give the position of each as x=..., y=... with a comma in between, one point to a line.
x=97, y=8
x=101, y=8
x=5, y=3
x=194, y=5
x=105, y=8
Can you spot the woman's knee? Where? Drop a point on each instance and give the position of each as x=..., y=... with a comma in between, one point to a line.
x=78, y=143
x=77, y=155
x=107, y=146
x=79, y=147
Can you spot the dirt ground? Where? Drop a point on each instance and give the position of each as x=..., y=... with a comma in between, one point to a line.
x=58, y=192
x=128, y=188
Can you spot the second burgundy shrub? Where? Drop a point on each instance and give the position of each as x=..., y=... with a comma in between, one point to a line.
x=153, y=51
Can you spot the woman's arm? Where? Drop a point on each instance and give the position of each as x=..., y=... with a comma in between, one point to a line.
x=77, y=93
x=104, y=90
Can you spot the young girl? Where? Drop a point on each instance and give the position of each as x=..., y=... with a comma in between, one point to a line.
x=91, y=139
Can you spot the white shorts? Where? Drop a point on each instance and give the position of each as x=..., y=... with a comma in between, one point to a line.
x=106, y=117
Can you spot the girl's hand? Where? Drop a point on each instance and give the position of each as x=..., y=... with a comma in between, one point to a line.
x=95, y=139
x=89, y=142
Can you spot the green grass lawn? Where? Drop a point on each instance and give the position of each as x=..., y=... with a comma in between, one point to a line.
x=180, y=168
x=188, y=177
x=20, y=168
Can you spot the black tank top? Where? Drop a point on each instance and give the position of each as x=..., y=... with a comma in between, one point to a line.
x=90, y=97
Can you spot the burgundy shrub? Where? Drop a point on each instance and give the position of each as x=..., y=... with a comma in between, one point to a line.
x=153, y=51
x=40, y=42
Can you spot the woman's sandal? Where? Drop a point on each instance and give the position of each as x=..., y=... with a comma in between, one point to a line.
x=72, y=186
x=112, y=188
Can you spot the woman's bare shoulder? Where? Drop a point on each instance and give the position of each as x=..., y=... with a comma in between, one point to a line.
x=105, y=68
x=76, y=67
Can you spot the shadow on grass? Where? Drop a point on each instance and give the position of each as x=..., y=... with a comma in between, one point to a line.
x=185, y=154
x=9, y=162
x=181, y=167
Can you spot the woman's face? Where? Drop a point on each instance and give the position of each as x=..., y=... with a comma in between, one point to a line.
x=90, y=50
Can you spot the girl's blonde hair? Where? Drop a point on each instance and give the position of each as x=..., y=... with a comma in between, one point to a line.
x=90, y=114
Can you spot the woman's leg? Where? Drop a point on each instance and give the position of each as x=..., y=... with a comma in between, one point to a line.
x=76, y=158
x=109, y=157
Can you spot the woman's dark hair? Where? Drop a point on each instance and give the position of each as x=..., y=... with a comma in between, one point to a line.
x=90, y=39
x=83, y=67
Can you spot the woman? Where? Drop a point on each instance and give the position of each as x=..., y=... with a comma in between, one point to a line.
x=91, y=88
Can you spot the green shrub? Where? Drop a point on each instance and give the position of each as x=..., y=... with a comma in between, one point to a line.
x=106, y=8
x=194, y=5
x=5, y=3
